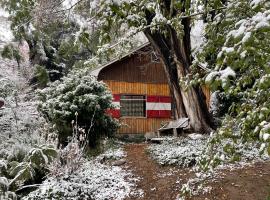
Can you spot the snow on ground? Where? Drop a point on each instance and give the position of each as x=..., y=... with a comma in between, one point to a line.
x=94, y=180
x=113, y=154
x=181, y=151
x=185, y=151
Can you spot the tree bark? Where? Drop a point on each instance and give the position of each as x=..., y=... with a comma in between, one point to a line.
x=163, y=51
x=175, y=54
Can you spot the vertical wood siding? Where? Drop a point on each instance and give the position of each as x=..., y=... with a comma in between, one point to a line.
x=154, y=89
x=137, y=74
x=135, y=68
x=140, y=125
x=133, y=125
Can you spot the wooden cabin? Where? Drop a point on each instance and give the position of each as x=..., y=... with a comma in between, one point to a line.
x=140, y=91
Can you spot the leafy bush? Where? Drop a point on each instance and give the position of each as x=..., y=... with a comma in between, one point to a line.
x=190, y=151
x=12, y=52
x=33, y=166
x=41, y=75
x=32, y=169
x=82, y=97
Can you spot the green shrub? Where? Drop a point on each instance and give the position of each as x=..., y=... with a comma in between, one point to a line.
x=11, y=52
x=32, y=169
x=79, y=97
x=42, y=76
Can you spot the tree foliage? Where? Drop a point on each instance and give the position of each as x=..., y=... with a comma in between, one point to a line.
x=237, y=46
x=51, y=36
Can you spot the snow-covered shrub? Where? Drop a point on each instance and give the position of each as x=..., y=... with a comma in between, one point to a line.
x=190, y=151
x=7, y=87
x=33, y=166
x=71, y=157
x=181, y=151
x=92, y=180
x=31, y=169
x=82, y=97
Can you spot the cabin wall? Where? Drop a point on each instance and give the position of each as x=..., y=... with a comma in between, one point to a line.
x=134, y=125
x=141, y=125
x=119, y=87
x=141, y=74
x=135, y=69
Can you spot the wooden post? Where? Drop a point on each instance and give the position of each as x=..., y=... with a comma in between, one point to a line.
x=158, y=133
x=175, y=132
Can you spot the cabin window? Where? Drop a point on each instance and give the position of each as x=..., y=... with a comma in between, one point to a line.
x=133, y=105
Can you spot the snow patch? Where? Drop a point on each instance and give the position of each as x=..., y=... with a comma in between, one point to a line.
x=195, y=136
x=255, y=3
x=246, y=37
x=210, y=77
x=3, y=13
x=93, y=180
x=228, y=72
x=222, y=75
x=181, y=151
x=197, y=35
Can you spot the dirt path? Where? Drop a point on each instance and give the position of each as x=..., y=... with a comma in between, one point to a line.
x=249, y=183
x=158, y=182
x=164, y=182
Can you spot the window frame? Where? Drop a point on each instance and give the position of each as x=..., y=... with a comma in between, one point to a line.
x=144, y=100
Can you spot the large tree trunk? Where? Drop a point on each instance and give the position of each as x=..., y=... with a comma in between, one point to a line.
x=163, y=51
x=175, y=54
